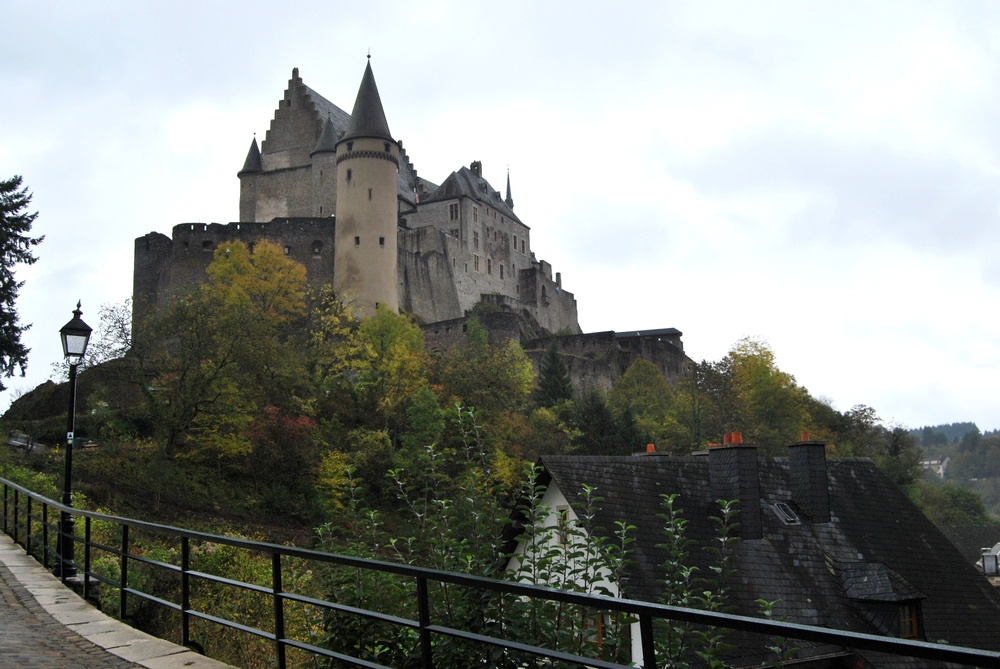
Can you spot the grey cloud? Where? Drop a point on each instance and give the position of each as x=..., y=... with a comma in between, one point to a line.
x=860, y=192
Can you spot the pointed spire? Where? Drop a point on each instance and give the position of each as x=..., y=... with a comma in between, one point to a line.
x=368, y=117
x=327, y=139
x=509, y=201
x=252, y=163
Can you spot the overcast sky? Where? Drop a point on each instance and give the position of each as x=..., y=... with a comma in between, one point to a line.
x=825, y=176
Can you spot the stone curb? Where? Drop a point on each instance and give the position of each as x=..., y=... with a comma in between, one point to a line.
x=102, y=630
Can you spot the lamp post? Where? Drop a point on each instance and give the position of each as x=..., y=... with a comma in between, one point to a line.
x=75, y=335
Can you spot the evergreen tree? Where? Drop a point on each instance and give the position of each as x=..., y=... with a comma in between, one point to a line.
x=15, y=249
x=554, y=385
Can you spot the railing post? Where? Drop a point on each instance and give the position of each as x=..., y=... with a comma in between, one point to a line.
x=185, y=592
x=86, y=557
x=646, y=639
x=27, y=531
x=45, y=535
x=17, y=506
x=5, y=508
x=122, y=594
x=279, y=609
x=423, y=605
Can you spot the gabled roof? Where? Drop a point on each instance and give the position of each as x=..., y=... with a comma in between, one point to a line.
x=971, y=539
x=368, y=117
x=875, y=531
x=326, y=109
x=465, y=183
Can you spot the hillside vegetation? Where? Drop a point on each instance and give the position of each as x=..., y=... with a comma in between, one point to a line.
x=251, y=398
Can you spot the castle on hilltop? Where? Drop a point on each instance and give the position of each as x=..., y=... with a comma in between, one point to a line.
x=342, y=197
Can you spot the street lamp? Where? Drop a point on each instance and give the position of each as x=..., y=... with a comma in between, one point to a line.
x=75, y=335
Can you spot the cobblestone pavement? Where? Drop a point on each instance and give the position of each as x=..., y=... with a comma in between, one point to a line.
x=30, y=638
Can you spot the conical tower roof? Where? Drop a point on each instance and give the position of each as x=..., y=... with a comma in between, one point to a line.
x=252, y=163
x=327, y=139
x=368, y=117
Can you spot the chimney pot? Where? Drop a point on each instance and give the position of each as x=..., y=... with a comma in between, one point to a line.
x=736, y=438
x=727, y=438
x=805, y=436
x=650, y=448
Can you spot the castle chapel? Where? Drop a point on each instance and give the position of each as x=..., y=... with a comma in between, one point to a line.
x=342, y=197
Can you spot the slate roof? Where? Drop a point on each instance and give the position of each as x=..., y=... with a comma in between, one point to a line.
x=368, y=117
x=252, y=163
x=327, y=139
x=971, y=539
x=327, y=109
x=813, y=569
x=465, y=183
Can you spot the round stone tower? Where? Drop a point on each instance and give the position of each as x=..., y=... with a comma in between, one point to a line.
x=367, y=159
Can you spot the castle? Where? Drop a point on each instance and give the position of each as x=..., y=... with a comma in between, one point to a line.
x=342, y=197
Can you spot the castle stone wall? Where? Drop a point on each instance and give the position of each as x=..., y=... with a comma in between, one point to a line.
x=597, y=359
x=168, y=266
x=426, y=278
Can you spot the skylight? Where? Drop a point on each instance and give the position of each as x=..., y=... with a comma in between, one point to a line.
x=785, y=513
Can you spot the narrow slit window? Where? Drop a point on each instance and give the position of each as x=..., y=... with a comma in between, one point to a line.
x=489, y=265
x=357, y=241
x=349, y=174
x=381, y=241
x=369, y=193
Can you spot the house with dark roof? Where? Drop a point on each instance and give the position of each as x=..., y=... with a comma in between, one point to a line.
x=980, y=545
x=833, y=542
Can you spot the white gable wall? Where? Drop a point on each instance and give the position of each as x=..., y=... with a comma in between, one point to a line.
x=553, y=500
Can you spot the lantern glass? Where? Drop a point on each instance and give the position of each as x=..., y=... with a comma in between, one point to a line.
x=75, y=336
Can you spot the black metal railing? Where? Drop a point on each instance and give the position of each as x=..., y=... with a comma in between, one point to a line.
x=22, y=521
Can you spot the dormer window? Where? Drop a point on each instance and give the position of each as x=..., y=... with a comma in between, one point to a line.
x=909, y=621
x=350, y=146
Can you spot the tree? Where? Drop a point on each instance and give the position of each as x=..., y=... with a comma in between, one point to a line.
x=643, y=391
x=15, y=249
x=554, y=385
x=208, y=363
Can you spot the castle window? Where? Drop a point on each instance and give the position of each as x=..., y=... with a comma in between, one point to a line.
x=206, y=246
x=543, y=293
x=387, y=147
x=250, y=248
x=454, y=263
x=185, y=246
x=522, y=247
x=476, y=258
x=381, y=241
x=475, y=240
x=317, y=247
x=321, y=210
x=288, y=250
x=369, y=193
x=515, y=242
x=349, y=174
x=453, y=212
x=475, y=214
x=350, y=146
x=501, y=271
x=357, y=241
x=489, y=266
